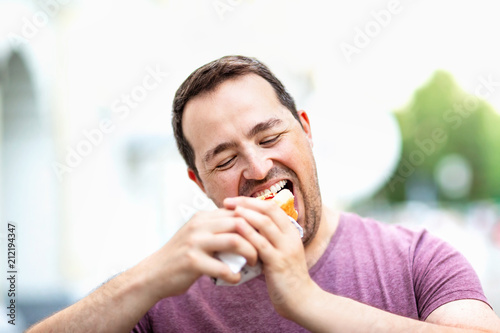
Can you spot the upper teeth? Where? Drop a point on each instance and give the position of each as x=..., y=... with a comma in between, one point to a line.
x=273, y=189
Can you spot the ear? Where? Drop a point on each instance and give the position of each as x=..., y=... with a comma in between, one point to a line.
x=306, y=125
x=194, y=178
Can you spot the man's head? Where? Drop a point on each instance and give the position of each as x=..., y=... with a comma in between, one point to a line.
x=240, y=134
x=206, y=79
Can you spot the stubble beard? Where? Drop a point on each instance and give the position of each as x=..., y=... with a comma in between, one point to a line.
x=312, y=207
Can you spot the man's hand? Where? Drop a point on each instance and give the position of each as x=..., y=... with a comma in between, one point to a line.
x=190, y=253
x=296, y=297
x=280, y=248
x=120, y=303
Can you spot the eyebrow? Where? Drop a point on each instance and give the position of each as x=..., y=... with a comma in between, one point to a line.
x=258, y=128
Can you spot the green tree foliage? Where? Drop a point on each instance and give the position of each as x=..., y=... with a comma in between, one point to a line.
x=442, y=120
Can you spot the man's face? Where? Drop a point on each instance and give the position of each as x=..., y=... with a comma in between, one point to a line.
x=245, y=141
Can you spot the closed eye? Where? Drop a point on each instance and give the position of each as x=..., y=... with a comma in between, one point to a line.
x=270, y=140
x=225, y=164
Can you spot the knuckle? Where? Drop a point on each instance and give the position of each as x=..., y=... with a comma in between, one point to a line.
x=191, y=241
x=191, y=259
x=239, y=220
x=196, y=222
x=268, y=225
x=263, y=245
x=233, y=241
x=196, y=219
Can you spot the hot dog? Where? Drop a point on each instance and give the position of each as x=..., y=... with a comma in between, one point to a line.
x=285, y=200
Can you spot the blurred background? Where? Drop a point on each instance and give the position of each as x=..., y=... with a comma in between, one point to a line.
x=403, y=97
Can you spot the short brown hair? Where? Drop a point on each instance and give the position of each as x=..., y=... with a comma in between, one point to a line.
x=206, y=79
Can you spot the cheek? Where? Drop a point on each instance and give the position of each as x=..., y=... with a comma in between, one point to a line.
x=299, y=153
x=220, y=186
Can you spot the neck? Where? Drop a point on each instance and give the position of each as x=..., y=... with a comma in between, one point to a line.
x=328, y=224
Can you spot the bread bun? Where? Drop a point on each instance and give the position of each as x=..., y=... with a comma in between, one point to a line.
x=285, y=200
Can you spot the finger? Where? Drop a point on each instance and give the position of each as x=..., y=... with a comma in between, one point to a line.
x=264, y=247
x=229, y=203
x=218, y=221
x=265, y=207
x=262, y=223
x=215, y=268
x=232, y=243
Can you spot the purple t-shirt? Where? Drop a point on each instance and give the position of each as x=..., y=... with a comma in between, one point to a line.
x=409, y=273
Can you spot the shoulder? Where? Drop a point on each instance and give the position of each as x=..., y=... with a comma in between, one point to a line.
x=362, y=239
x=437, y=272
x=366, y=229
x=425, y=249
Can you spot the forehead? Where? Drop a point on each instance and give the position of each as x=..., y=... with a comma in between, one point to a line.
x=233, y=107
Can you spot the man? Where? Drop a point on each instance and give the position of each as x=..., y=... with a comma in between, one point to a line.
x=240, y=134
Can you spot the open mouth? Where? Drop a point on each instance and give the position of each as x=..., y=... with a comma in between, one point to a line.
x=282, y=184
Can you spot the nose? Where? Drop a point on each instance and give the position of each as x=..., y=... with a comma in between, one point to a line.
x=257, y=166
